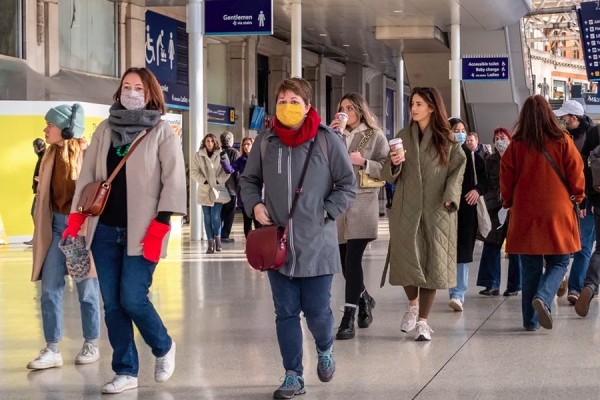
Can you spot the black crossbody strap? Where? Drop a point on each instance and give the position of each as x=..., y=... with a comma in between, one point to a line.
x=562, y=178
x=301, y=182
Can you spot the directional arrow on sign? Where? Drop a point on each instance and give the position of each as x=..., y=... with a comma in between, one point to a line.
x=503, y=64
x=472, y=75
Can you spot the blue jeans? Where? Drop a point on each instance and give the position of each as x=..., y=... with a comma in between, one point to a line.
x=292, y=296
x=54, y=270
x=490, y=269
x=125, y=282
x=212, y=220
x=581, y=259
x=462, y=282
x=540, y=283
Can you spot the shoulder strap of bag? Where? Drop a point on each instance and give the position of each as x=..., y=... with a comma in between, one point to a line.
x=301, y=182
x=474, y=167
x=562, y=178
x=364, y=140
x=131, y=149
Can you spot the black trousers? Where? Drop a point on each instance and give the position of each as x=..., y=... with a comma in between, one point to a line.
x=351, y=254
x=592, y=277
x=228, y=216
x=248, y=223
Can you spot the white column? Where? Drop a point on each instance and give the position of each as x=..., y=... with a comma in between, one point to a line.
x=197, y=114
x=400, y=90
x=296, y=38
x=455, y=69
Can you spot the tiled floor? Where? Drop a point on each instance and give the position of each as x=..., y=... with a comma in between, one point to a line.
x=220, y=313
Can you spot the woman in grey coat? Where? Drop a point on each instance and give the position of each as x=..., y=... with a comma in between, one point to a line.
x=303, y=284
x=368, y=149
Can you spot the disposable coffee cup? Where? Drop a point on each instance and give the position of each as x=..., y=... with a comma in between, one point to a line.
x=396, y=144
x=343, y=118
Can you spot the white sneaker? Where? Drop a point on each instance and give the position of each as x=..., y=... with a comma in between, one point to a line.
x=455, y=304
x=410, y=319
x=165, y=365
x=47, y=359
x=89, y=354
x=120, y=383
x=423, y=332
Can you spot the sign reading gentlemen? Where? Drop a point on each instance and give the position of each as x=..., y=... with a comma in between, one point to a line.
x=238, y=17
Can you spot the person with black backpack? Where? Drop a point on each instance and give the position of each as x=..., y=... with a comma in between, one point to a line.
x=580, y=126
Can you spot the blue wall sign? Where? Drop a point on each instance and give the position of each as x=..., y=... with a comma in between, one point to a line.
x=238, y=17
x=221, y=115
x=389, y=113
x=485, y=69
x=589, y=27
x=167, y=57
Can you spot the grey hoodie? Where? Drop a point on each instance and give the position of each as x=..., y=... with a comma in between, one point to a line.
x=312, y=239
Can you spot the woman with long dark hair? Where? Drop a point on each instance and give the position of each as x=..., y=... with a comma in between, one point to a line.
x=368, y=149
x=211, y=169
x=474, y=185
x=131, y=235
x=541, y=160
x=428, y=175
x=239, y=165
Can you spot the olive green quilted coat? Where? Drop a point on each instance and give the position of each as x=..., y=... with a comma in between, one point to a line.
x=423, y=232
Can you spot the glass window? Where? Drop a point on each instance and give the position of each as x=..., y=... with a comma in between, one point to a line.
x=87, y=36
x=10, y=28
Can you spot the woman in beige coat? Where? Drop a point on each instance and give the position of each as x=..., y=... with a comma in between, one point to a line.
x=423, y=218
x=368, y=149
x=130, y=236
x=211, y=169
x=58, y=172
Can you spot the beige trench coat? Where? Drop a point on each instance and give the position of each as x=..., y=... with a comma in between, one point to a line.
x=155, y=181
x=361, y=221
x=43, y=215
x=205, y=169
x=423, y=232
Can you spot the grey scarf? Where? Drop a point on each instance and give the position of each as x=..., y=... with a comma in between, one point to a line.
x=126, y=124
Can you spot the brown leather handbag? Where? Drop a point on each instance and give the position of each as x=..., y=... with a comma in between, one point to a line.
x=94, y=195
x=266, y=248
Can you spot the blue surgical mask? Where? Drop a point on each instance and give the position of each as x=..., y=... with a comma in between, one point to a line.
x=461, y=137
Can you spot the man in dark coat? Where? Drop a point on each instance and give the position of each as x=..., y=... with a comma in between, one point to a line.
x=473, y=144
x=39, y=148
x=580, y=126
x=232, y=184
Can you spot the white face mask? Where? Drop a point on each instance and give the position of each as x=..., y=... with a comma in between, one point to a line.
x=501, y=145
x=132, y=100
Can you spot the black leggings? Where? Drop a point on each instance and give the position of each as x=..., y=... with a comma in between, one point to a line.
x=248, y=223
x=352, y=254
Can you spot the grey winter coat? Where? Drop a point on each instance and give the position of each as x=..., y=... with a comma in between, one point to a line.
x=328, y=187
x=362, y=219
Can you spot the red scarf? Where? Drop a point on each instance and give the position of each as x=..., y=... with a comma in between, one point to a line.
x=306, y=132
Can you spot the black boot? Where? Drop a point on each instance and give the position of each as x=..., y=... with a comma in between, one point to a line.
x=366, y=304
x=346, y=329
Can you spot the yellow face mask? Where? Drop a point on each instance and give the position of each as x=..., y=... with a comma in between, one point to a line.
x=290, y=115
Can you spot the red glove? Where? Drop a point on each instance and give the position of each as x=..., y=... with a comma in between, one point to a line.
x=74, y=224
x=154, y=240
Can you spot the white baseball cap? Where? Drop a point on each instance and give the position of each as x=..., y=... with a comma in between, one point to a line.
x=570, y=107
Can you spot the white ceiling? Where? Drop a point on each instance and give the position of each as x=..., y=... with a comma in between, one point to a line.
x=353, y=22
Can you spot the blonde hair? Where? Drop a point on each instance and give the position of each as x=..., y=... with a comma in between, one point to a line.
x=69, y=152
x=365, y=115
x=244, y=140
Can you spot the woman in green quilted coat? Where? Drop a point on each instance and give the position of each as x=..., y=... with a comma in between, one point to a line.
x=423, y=218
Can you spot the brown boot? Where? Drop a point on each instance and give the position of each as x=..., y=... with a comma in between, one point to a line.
x=211, y=246
x=218, y=245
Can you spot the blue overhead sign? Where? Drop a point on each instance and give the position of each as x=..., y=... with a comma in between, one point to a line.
x=167, y=57
x=238, y=17
x=220, y=115
x=485, y=69
x=589, y=27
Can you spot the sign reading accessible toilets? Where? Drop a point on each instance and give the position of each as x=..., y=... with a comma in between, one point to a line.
x=238, y=17
x=589, y=27
x=485, y=69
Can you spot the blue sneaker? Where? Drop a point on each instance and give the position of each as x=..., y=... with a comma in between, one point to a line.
x=326, y=365
x=291, y=386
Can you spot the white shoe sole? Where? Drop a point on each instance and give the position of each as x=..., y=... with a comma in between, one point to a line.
x=455, y=306
x=87, y=361
x=121, y=390
x=47, y=366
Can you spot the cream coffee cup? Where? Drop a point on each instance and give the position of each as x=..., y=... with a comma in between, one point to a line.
x=343, y=118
